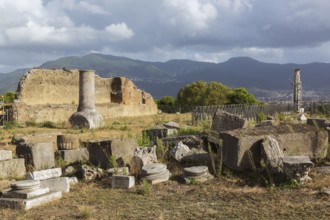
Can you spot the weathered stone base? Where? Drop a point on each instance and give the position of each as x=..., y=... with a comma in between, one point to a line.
x=86, y=119
x=12, y=168
x=242, y=147
x=122, y=182
x=26, y=204
x=70, y=156
x=25, y=194
x=61, y=184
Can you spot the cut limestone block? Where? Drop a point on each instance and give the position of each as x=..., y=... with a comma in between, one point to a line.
x=224, y=121
x=14, y=168
x=122, y=182
x=26, y=204
x=272, y=154
x=6, y=155
x=241, y=147
x=56, y=184
x=71, y=156
x=25, y=194
x=44, y=174
x=38, y=156
x=101, y=150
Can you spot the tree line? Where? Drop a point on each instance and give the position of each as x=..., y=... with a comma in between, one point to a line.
x=201, y=93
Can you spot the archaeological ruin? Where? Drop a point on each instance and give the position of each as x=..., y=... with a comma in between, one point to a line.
x=53, y=95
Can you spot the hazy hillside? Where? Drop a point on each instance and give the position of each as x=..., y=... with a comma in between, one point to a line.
x=165, y=78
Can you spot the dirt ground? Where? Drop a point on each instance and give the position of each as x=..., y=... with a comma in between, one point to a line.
x=232, y=196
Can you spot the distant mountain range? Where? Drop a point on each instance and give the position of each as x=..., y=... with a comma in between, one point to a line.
x=166, y=78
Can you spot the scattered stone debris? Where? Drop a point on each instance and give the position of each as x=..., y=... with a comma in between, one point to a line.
x=118, y=171
x=322, y=170
x=142, y=157
x=192, y=141
x=302, y=117
x=297, y=168
x=155, y=173
x=199, y=174
x=179, y=151
x=88, y=173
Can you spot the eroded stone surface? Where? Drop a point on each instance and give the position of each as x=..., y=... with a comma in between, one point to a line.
x=39, y=156
x=25, y=194
x=44, y=174
x=122, y=182
x=61, y=184
x=26, y=204
x=25, y=185
x=153, y=168
x=6, y=155
x=297, y=168
x=179, y=151
x=14, y=168
x=272, y=154
x=224, y=121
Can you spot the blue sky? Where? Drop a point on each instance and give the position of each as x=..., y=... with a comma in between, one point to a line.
x=281, y=31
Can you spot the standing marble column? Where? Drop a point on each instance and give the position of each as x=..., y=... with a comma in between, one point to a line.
x=86, y=115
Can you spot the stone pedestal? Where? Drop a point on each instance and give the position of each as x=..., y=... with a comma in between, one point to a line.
x=122, y=182
x=155, y=173
x=27, y=194
x=37, y=156
x=199, y=174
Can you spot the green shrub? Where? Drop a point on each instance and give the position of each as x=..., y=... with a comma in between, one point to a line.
x=161, y=150
x=145, y=188
x=47, y=124
x=261, y=117
x=144, y=140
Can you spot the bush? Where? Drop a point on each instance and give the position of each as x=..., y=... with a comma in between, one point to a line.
x=261, y=117
x=145, y=188
x=144, y=140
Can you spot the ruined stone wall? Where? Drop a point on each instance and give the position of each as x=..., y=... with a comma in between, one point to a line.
x=52, y=95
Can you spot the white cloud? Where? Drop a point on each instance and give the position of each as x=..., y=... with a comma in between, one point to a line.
x=192, y=16
x=119, y=31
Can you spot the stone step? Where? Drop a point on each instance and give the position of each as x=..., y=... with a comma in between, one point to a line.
x=25, y=194
x=44, y=174
x=26, y=204
x=25, y=185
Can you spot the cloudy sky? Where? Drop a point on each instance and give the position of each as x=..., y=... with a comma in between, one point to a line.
x=280, y=31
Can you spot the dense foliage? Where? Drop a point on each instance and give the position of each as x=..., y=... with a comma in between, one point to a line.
x=8, y=97
x=201, y=93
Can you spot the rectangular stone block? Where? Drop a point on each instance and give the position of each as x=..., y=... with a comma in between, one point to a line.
x=38, y=156
x=100, y=151
x=12, y=168
x=70, y=156
x=56, y=184
x=26, y=204
x=25, y=194
x=44, y=174
x=242, y=147
x=6, y=155
x=319, y=122
x=122, y=182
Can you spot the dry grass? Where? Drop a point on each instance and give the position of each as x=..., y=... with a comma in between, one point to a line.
x=229, y=197
x=217, y=199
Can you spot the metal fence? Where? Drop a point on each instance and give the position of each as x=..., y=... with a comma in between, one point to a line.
x=200, y=113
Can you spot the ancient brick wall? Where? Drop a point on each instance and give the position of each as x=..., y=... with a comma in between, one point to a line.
x=52, y=95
